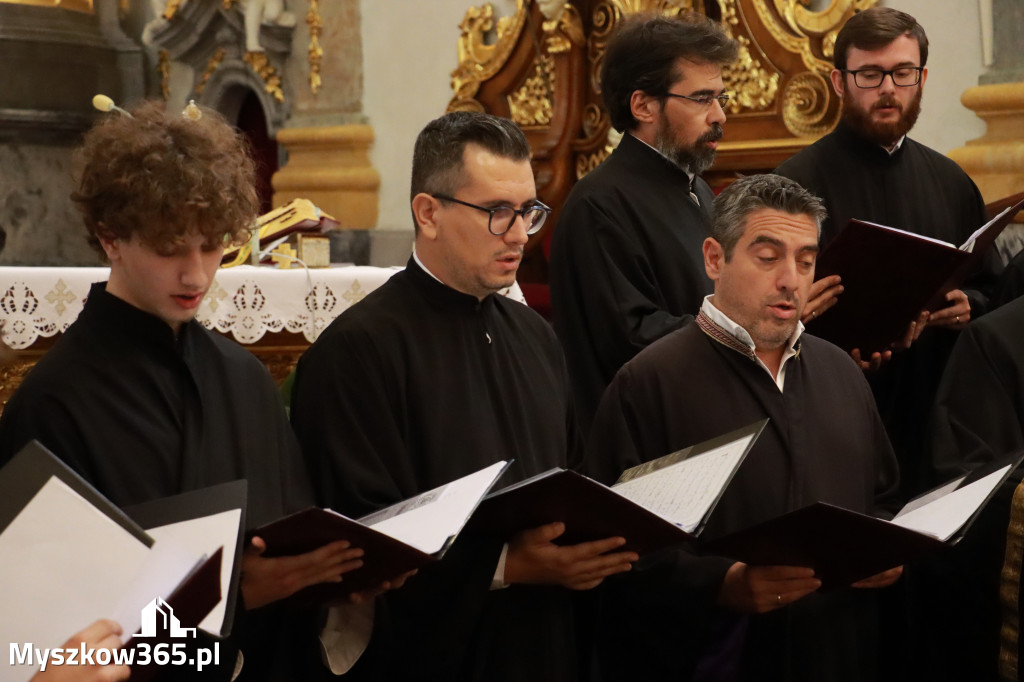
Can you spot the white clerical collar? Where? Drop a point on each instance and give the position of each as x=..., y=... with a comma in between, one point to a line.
x=896, y=147
x=741, y=335
x=513, y=292
x=423, y=267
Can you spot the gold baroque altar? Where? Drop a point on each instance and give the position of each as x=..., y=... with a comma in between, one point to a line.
x=541, y=68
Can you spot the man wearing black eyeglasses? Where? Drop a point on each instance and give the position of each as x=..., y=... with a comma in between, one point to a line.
x=626, y=262
x=868, y=169
x=434, y=376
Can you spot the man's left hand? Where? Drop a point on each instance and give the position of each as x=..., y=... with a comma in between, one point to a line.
x=268, y=580
x=956, y=315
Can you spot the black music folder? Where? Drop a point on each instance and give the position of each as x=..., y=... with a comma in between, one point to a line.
x=211, y=520
x=69, y=556
x=405, y=536
x=654, y=505
x=843, y=546
x=889, y=276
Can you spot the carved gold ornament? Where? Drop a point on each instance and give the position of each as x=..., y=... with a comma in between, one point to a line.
x=76, y=5
x=171, y=8
x=267, y=73
x=754, y=87
x=316, y=52
x=805, y=105
x=1009, y=588
x=479, y=59
x=799, y=24
x=211, y=66
x=564, y=31
x=164, y=68
x=531, y=105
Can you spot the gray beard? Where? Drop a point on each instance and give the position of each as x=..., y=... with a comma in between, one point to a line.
x=695, y=159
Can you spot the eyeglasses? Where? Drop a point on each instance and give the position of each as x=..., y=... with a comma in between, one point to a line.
x=704, y=100
x=503, y=217
x=903, y=77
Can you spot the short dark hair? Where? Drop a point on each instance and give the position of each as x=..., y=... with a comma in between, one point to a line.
x=437, y=158
x=161, y=175
x=644, y=52
x=753, y=193
x=875, y=28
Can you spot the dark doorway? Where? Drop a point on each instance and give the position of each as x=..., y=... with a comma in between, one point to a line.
x=253, y=124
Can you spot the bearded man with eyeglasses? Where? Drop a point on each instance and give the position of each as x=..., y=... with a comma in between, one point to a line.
x=626, y=262
x=434, y=376
x=868, y=169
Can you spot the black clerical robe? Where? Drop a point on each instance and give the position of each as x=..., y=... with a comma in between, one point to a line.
x=143, y=415
x=824, y=442
x=1011, y=283
x=918, y=190
x=626, y=264
x=978, y=416
x=417, y=385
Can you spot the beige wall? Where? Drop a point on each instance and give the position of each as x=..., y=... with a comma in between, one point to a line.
x=409, y=50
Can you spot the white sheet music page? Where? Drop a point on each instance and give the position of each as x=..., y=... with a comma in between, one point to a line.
x=65, y=564
x=684, y=492
x=203, y=537
x=428, y=520
x=944, y=516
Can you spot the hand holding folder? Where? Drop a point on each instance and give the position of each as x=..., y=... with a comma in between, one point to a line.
x=889, y=276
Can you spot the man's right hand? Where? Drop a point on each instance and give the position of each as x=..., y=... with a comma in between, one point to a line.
x=103, y=634
x=759, y=589
x=533, y=558
x=823, y=294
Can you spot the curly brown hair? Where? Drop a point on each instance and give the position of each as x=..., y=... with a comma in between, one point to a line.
x=163, y=176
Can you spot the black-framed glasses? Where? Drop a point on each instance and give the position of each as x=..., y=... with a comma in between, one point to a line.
x=502, y=218
x=704, y=100
x=903, y=77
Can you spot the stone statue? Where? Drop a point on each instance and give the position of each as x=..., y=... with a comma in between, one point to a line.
x=258, y=12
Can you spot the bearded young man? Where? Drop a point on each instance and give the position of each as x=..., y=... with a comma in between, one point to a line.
x=868, y=169
x=626, y=264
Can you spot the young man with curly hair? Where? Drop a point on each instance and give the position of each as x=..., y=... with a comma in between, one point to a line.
x=144, y=402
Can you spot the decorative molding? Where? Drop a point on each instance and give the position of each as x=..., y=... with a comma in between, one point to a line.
x=479, y=60
x=531, y=105
x=260, y=63
x=84, y=6
x=171, y=8
x=316, y=51
x=164, y=69
x=211, y=67
x=1009, y=588
x=564, y=31
x=805, y=105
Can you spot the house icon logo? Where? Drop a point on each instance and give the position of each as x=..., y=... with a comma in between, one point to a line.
x=158, y=616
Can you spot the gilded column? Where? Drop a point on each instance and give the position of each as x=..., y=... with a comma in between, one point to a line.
x=995, y=161
x=327, y=138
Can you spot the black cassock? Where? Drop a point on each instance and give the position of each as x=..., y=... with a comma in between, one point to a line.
x=825, y=442
x=415, y=386
x=1011, y=284
x=978, y=416
x=142, y=415
x=626, y=264
x=918, y=190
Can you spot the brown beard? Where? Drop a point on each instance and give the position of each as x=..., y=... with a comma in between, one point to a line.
x=884, y=134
